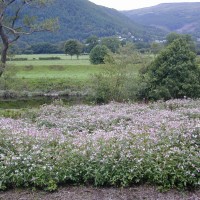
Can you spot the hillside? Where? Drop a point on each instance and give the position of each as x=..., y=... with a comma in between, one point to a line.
x=81, y=18
x=179, y=17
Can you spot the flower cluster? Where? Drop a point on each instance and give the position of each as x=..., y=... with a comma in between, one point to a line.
x=114, y=144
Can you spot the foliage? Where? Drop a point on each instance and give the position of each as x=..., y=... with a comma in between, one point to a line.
x=173, y=74
x=14, y=23
x=98, y=54
x=73, y=47
x=111, y=43
x=170, y=17
x=80, y=19
x=117, y=81
x=91, y=42
x=174, y=36
x=107, y=145
x=43, y=48
x=49, y=58
x=156, y=47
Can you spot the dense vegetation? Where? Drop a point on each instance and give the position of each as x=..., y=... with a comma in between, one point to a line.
x=109, y=145
x=180, y=17
x=98, y=54
x=113, y=141
x=79, y=19
x=173, y=74
x=118, y=144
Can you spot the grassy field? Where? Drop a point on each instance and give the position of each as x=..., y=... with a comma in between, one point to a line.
x=78, y=72
x=34, y=74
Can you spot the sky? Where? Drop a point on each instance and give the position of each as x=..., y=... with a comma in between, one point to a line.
x=134, y=4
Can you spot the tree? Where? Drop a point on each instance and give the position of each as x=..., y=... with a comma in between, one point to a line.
x=91, y=42
x=156, y=47
x=98, y=54
x=44, y=48
x=173, y=74
x=14, y=23
x=111, y=43
x=173, y=36
x=73, y=47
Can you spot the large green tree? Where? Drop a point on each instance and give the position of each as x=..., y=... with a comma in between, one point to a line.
x=91, y=42
x=188, y=38
x=98, y=54
x=73, y=47
x=111, y=43
x=14, y=23
x=173, y=74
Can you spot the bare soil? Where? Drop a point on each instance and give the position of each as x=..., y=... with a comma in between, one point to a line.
x=89, y=193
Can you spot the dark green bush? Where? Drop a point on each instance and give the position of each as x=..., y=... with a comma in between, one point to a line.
x=49, y=58
x=98, y=54
x=17, y=59
x=173, y=74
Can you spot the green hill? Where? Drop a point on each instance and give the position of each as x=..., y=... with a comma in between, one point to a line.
x=179, y=17
x=80, y=18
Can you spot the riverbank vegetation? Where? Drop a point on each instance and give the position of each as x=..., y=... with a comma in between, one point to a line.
x=108, y=145
x=123, y=138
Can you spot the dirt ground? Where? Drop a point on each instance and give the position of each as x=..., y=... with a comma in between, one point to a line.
x=90, y=193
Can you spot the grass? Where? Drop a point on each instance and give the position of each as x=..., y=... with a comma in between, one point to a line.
x=45, y=75
x=78, y=72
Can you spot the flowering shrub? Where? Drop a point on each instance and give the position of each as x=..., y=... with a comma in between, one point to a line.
x=115, y=144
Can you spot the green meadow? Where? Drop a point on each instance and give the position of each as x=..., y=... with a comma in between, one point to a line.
x=34, y=74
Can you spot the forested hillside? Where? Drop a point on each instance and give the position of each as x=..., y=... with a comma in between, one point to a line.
x=81, y=18
x=179, y=17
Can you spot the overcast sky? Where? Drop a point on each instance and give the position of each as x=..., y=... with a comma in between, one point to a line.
x=134, y=4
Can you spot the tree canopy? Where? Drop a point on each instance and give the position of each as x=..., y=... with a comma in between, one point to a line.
x=111, y=43
x=73, y=47
x=15, y=22
x=173, y=74
x=98, y=54
x=91, y=42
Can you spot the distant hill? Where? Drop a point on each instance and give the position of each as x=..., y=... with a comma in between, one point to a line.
x=81, y=18
x=178, y=17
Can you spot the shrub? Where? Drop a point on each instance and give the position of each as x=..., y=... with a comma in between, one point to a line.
x=49, y=58
x=28, y=67
x=98, y=54
x=17, y=59
x=173, y=74
x=109, y=145
x=118, y=81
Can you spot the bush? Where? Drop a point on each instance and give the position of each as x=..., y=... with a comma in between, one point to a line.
x=173, y=74
x=109, y=145
x=98, y=54
x=17, y=59
x=49, y=58
x=118, y=81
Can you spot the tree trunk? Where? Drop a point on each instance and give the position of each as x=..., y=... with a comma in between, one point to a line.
x=4, y=39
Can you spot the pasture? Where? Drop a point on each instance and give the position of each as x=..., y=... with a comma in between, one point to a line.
x=54, y=74
x=64, y=67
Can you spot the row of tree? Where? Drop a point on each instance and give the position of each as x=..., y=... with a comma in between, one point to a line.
x=75, y=47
